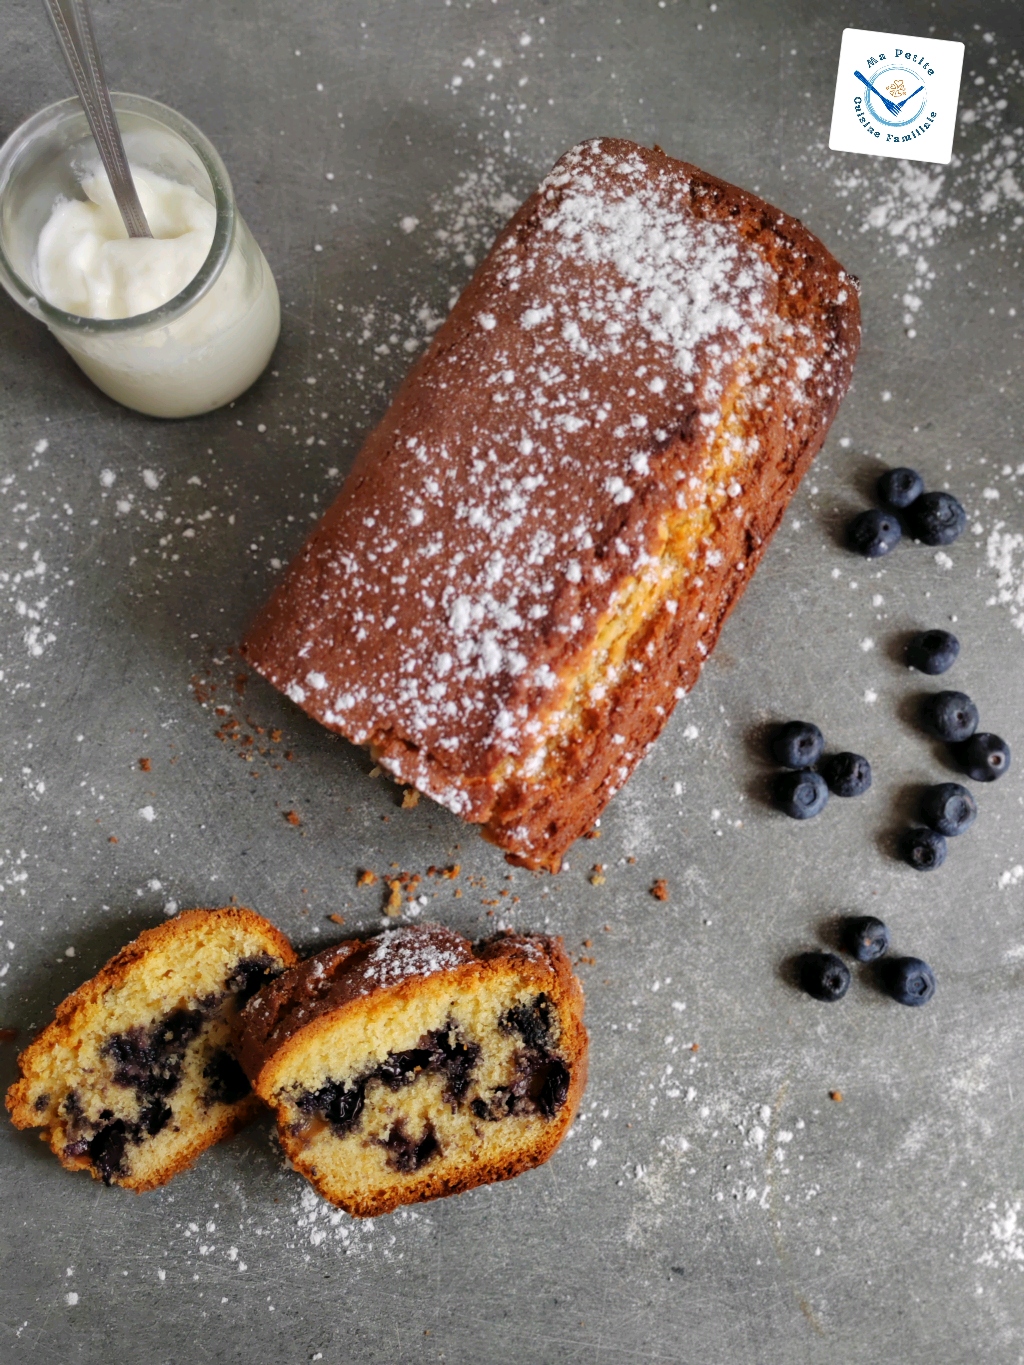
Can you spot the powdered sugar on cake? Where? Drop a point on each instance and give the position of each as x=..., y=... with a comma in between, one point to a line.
x=413, y=951
x=685, y=280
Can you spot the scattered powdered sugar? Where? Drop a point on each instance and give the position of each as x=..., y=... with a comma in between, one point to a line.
x=914, y=206
x=1004, y=553
x=454, y=228
x=298, y=1220
x=1004, y=1237
x=1013, y=876
x=30, y=582
x=321, y=1224
x=761, y=1162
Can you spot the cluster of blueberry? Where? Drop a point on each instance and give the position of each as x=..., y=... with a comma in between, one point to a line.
x=934, y=518
x=802, y=792
x=826, y=976
x=948, y=808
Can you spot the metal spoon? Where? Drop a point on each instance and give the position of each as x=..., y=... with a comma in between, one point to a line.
x=72, y=23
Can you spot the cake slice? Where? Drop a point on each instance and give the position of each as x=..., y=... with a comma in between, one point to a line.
x=536, y=549
x=139, y=1071
x=415, y=1065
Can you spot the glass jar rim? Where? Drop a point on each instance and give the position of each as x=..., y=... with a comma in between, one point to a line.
x=224, y=205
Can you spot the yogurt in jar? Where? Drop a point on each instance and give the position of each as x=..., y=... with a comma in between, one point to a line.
x=86, y=265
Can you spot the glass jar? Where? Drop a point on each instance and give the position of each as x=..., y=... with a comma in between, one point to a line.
x=200, y=349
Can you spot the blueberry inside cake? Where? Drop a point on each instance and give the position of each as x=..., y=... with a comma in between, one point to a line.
x=139, y=1072
x=414, y=1064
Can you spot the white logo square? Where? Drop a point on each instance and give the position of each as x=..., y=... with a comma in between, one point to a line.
x=896, y=96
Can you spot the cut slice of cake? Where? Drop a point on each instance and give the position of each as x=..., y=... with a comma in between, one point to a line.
x=536, y=549
x=415, y=1065
x=139, y=1071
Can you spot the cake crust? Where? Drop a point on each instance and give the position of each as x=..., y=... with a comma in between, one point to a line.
x=367, y=991
x=537, y=548
x=65, y=1058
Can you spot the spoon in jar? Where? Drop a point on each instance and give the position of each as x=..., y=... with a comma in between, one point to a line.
x=72, y=23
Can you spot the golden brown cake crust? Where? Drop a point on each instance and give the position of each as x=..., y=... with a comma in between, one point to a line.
x=537, y=547
x=85, y=1007
x=291, y=1016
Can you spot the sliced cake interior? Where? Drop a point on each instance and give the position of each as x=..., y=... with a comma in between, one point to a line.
x=427, y=1083
x=139, y=1071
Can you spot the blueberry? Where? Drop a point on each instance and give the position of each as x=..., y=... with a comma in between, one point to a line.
x=948, y=808
x=984, y=757
x=823, y=975
x=865, y=937
x=873, y=533
x=936, y=518
x=898, y=488
x=798, y=744
x=909, y=980
x=933, y=651
x=924, y=849
x=951, y=716
x=847, y=774
x=801, y=794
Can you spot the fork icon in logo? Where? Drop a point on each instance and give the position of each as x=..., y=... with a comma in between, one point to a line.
x=895, y=108
x=891, y=105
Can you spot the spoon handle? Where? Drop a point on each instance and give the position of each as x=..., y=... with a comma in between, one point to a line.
x=72, y=22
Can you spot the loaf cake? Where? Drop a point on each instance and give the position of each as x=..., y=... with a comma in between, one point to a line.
x=536, y=548
x=139, y=1071
x=414, y=1065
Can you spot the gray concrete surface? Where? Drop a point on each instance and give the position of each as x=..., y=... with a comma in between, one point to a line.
x=723, y=1212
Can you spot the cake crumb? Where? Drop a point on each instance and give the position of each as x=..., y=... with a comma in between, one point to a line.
x=660, y=889
x=410, y=798
x=292, y=817
x=836, y=1095
x=366, y=878
x=597, y=877
x=336, y=919
x=145, y=765
x=393, y=904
